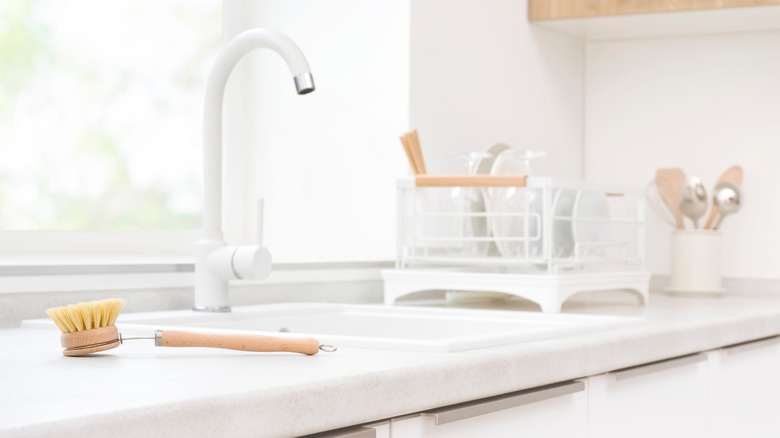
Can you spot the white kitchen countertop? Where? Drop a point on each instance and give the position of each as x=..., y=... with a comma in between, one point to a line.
x=140, y=390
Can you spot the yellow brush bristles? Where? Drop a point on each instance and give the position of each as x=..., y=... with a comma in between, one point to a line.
x=86, y=316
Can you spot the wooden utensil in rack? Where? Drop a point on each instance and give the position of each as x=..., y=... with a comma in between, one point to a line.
x=669, y=181
x=411, y=144
x=409, y=154
x=417, y=149
x=732, y=175
x=470, y=180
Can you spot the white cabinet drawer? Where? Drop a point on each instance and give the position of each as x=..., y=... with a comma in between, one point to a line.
x=551, y=411
x=745, y=390
x=666, y=398
x=374, y=430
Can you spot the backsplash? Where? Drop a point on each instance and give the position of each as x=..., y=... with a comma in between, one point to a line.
x=610, y=110
x=701, y=103
x=481, y=75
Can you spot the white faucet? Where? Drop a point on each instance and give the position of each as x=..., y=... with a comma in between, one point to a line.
x=216, y=263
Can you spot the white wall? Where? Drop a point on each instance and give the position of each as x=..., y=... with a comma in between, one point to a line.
x=701, y=103
x=326, y=163
x=470, y=74
x=465, y=74
x=480, y=75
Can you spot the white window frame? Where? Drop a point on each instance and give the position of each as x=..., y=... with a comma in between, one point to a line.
x=63, y=260
x=69, y=261
x=54, y=260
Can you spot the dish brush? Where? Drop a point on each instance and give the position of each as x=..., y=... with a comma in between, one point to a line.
x=89, y=327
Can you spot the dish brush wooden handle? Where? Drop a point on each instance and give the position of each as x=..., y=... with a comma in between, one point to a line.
x=175, y=338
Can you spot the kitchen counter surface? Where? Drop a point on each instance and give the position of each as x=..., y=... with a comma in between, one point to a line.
x=140, y=390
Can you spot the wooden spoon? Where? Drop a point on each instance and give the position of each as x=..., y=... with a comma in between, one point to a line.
x=669, y=181
x=732, y=175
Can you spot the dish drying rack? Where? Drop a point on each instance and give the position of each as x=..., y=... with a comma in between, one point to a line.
x=539, y=238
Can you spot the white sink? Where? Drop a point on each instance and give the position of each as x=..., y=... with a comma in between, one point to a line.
x=374, y=326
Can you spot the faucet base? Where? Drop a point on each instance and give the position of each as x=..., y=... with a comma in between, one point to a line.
x=215, y=309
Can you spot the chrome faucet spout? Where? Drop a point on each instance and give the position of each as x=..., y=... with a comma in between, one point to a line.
x=216, y=263
x=304, y=84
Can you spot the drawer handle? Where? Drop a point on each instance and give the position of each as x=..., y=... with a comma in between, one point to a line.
x=488, y=405
x=751, y=345
x=641, y=370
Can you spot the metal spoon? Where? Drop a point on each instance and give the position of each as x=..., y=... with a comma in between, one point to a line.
x=732, y=175
x=693, y=199
x=727, y=199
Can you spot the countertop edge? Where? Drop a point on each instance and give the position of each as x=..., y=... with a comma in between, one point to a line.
x=299, y=409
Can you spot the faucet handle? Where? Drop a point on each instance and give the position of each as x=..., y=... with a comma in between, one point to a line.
x=251, y=263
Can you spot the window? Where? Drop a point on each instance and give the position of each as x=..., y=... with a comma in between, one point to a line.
x=100, y=112
x=101, y=127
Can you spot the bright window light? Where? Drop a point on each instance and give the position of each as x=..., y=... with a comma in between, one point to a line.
x=101, y=112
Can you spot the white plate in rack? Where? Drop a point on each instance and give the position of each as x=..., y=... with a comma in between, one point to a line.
x=487, y=163
x=502, y=200
x=590, y=223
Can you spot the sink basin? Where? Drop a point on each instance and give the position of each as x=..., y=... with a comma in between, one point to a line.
x=376, y=326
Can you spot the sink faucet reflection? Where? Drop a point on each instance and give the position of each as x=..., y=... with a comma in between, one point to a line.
x=216, y=262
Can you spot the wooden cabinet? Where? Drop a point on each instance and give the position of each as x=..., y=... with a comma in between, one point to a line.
x=559, y=9
x=666, y=398
x=551, y=411
x=620, y=19
x=744, y=390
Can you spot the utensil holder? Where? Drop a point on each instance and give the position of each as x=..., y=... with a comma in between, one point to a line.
x=696, y=263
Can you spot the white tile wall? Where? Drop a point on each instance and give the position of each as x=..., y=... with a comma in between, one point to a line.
x=326, y=162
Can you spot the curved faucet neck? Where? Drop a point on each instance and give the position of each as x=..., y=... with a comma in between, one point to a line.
x=226, y=60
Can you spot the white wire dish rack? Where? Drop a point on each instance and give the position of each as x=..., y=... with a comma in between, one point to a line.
x=539, y=238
